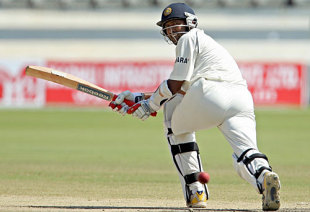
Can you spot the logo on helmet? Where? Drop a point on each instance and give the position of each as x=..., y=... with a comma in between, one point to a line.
x=167, y=11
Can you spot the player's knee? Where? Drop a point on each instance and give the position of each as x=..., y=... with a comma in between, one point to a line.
x=184, y=138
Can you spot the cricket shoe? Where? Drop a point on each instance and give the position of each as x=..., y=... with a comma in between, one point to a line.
x=271, y=195
x=198, y=200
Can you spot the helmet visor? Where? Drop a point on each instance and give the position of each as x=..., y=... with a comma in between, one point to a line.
x=173, y=33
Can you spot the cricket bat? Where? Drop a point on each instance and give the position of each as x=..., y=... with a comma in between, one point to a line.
x=76, y=83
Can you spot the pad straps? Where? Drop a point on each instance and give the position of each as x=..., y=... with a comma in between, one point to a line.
x=191, y=178
x=248, y=159
x=186, y=147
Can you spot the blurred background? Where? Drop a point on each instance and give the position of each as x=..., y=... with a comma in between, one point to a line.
x=117, y=45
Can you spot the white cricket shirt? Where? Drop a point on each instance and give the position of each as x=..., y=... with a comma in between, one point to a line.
x=199, y=56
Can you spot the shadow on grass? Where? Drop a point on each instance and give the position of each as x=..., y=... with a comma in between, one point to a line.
x=157, y=209
x=138, y=208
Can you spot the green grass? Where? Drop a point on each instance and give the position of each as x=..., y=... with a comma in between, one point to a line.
x=99, y=154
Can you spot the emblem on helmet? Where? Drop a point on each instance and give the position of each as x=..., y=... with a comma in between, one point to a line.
x=167, y=11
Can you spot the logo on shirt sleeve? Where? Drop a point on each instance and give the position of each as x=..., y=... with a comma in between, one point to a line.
x=181, y=60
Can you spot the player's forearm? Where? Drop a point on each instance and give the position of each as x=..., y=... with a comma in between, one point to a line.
x=174, y=85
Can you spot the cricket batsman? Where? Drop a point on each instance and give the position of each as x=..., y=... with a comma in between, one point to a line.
x=205, y=89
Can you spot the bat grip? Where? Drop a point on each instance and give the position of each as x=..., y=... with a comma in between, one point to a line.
x=126, y=101
x=132, y=106
x=135, y=107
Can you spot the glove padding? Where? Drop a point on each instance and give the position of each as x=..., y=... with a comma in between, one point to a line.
x=144, y=111
x=121, y=108
x=134, y=97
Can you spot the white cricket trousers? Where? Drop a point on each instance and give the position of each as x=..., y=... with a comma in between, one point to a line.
x=224, y=105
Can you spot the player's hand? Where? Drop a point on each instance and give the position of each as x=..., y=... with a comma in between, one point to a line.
x=144, y=110
x=118, y=105
x=120, y=108
x=134, y=97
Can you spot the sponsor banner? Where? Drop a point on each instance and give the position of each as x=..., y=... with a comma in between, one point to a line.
x=269, y=83
x=276, y=83
x=17, y=90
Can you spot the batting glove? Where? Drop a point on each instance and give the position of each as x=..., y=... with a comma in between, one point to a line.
x=144, y=111
x=134, y=97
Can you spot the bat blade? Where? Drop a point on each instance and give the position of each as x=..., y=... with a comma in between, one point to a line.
x=69, y=80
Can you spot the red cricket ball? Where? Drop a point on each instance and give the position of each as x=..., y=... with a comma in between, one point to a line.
x=203, y=177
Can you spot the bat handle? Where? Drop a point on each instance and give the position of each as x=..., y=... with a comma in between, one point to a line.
x=135, y=107
x=132, y=106
x=126, y=101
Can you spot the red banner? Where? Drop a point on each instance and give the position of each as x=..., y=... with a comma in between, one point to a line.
x=276, y=83
x=269, y=83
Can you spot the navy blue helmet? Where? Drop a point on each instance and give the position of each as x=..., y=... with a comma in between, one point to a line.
x=178, y=11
